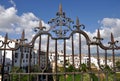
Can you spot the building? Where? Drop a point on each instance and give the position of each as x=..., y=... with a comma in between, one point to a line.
x=69, y=59
x=22, y=55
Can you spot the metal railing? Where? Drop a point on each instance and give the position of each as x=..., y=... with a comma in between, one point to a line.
x=63, y=29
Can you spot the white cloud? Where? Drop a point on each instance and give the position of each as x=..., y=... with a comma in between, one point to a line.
x=7, y=17
x=110, y=25
x=12, y=23
x=13, y=3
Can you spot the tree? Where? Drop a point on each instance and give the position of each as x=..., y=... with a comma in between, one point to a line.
x=118, y=65
x=15, y=76
x=70, y=68
x=83, y=67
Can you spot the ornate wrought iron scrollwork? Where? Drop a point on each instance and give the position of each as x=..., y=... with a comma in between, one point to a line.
x=40, y=28
x=78, y=25
x=5, y=46
x=98, y=42
x=113, y=42
x=6, y=43
x=98, y=38
x=60, y=25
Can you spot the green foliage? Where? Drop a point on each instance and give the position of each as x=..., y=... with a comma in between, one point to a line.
x=85, y=77
x=61, y=69
x=83, y=67
x=70, y=77
x=94, y=77
x=35, y=68
x=77, y=77
x=16, y=77
x=16, y=70
x=107, y=69
x=22, y=77
x=118, y=65
x=118, y=76
x=70, y=68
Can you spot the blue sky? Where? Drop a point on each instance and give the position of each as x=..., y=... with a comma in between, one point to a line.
x=89, y=11
x=16, y=15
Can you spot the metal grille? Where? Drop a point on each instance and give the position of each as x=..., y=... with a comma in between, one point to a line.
x=62, y=30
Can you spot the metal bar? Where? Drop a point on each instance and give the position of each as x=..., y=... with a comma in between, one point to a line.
x=29, y=65
x=21, y=55
x=113, y=53
x=47, y=55
x=89, y=57
x=114, y=69
x=46, y=77
x=105, y=57
x=37, y=77
x=73, y=57
x=12, y=63
x=39, y=50
x=28, y=77
x=56, y=59
x=12, y=59
x=80, y=47
x=47, y=50
x=58, y=73
x=3, y=65
x=64, y=59
x=80, y=54
x=19, y=77
x=98, y=59
x=106, y=74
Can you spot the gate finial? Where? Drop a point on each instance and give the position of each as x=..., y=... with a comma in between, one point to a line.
x=112, y=38
x=40, y=24
x=23, y=35
x=60, y=9
x=78, y=25
x=77, y=21
x=113, y=42
x=98, y=34
x=98, y=37
x=40, y=27
x=6, y=38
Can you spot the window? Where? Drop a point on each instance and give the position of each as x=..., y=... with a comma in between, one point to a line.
x=16, y=55
x=25, y=49
x=15, y=61
x=8, y=68
x=31, y=56
x=23, y=61
x=22, y=56
x=26, y=55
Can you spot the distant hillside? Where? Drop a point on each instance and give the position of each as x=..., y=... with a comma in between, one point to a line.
x=103, y=54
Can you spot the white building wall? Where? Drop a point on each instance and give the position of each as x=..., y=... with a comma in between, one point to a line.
x=25, y=57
